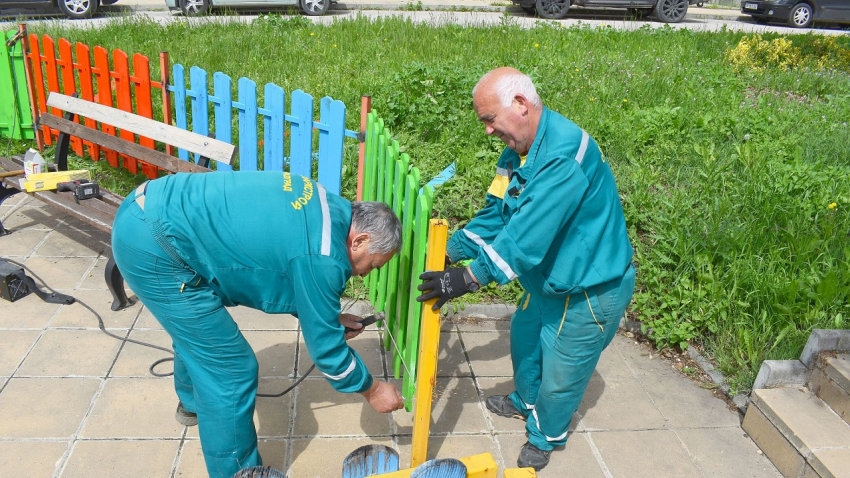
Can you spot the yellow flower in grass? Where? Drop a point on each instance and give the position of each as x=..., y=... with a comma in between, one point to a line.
x=833, y=206
x=536, y=45
x=625, y=100
x=311, y=33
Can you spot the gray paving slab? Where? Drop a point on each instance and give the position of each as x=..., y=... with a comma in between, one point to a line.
x=644, y=453
x=137, y=458
x=69, y=390
x=31, y=459
x=134, y=408
x=726, y=451
x=70, y=353
x=16, y=345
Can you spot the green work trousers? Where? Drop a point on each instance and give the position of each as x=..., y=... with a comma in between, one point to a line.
x=215, y=370
x=555, y=346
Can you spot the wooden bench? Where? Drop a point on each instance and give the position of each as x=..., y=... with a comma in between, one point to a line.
x=100, y=212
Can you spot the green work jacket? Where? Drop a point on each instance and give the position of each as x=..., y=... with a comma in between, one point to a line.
x=554, y=221
x=270, y=241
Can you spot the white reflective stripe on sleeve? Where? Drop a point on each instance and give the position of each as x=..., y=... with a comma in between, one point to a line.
x=492, y=254
x=585, y=139
x=548, y=438
x=326, y=221
x=501, y=171
x=347, y=372
x=528, y=407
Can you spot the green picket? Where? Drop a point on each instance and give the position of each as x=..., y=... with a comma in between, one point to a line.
x=411, y=189
x=388, y=173
x=399, y=181
x=15, y=111
x=424, y=204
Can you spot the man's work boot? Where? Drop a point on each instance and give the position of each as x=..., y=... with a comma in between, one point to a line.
x=532, y=457
x=184, y=417
x=503, y=406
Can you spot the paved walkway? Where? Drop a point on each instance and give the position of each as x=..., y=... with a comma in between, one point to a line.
x=77, y=403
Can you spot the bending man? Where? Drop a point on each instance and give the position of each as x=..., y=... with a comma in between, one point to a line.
x=553, y=220
x=190, y=245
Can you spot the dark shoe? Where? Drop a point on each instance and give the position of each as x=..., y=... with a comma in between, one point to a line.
x=503, y=406
x=532, y=457
x=185, y=418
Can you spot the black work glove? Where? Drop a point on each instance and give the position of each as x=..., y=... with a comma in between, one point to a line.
x=445, y=285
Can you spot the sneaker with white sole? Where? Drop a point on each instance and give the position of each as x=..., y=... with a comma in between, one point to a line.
x=185, y=417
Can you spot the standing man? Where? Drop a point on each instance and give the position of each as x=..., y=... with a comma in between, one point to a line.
x=190, y=245
x=553, y=220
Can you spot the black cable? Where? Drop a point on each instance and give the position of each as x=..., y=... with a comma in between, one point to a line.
x=100, y=323
x=145, y=344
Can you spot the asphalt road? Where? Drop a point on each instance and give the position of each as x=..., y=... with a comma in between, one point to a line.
x=480, y=13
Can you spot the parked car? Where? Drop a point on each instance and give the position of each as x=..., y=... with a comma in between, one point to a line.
x=799, y=14
x=200, y=7
x=668, y=11
x=70, y=8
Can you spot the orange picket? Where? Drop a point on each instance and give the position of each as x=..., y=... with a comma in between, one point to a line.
x=86, y=91
x=38, y=79
x=124, y=99
x=144, y=106
x=52, y=76
x=69, y=87
x=103, y=82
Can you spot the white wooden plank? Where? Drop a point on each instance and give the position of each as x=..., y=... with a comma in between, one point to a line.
x=188, y=140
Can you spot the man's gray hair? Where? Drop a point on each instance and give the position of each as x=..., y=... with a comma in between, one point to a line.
x=507, y=86
x=380, y=222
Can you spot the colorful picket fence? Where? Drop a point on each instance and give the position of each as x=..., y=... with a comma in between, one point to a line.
x=388, y=178
x=196, y=103
x=86, y=71
x=15, y=111
x=315, y=148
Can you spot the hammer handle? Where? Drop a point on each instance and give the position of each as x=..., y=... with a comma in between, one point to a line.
x=12, y=173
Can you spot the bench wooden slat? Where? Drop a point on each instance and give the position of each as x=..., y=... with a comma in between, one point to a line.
x=211, y=148
x=151, y=156
x=65, y=202
x=111, y=198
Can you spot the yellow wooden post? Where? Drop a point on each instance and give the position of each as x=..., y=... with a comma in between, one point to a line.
x=429, y=344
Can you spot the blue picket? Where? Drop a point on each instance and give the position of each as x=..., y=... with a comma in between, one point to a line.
x=222, y=86
x=301, y=134
x=200, y=102
x=247, y=106
x=331, y=136
x=178, y=75
x=273, y=124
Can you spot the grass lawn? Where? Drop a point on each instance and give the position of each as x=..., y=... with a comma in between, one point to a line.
x=730, y=151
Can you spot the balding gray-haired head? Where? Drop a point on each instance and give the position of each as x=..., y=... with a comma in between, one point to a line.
x=506, y=83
